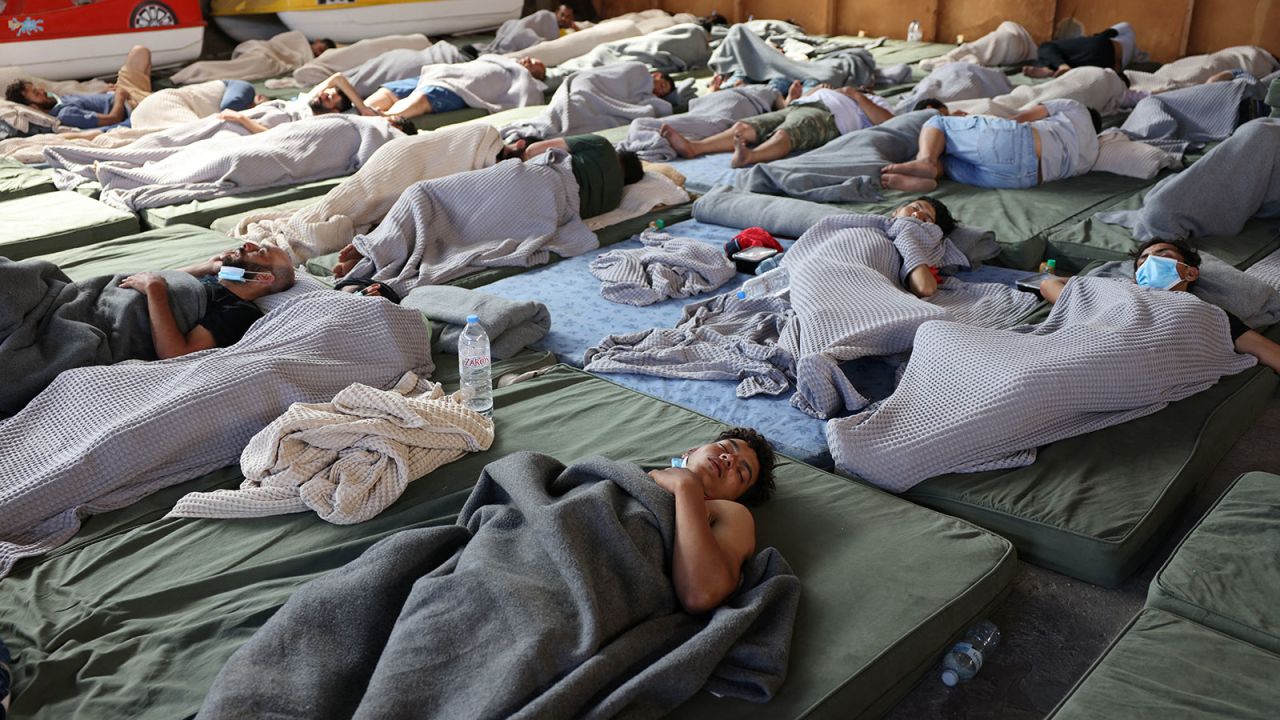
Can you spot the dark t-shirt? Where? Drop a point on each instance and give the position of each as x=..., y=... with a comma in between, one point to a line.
x=1238, y=327
x=595, y=167
x=226, y=316
x=1089, y=51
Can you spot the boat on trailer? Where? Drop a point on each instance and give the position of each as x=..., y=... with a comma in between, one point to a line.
x=347, y=21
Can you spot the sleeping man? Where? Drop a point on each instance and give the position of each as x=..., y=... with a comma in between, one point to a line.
x=108, y=319
x=1054, y=140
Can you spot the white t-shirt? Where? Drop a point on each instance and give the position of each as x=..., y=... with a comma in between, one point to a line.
x=1068, y=142
x=844, y=109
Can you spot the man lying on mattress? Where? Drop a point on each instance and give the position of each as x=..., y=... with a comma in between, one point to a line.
x=1175, y=265
x=108, y=319
x=808, y=121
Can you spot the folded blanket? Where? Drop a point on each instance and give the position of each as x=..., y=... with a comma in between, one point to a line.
x=252, y=60
x=580, y=42
x=342, y=59
x=362, y=200
x=1233, y=182
x=1191, y=116
x=479, y=608
x=511, y=325
x=175, y=106
x=1195, y=69
x=513, y=214
x=744, y=54
x=956, y=81
x=348, y=459
x=707, y=115
x=594, y=99
x=675, y=49
x=49, y=324
x=976, y=399
x=100, y=438
x=521, y=33
x=1008, y=44
x=1098, y=88
x=133, y=178
x=1247, y=295
x=666, y=267
x=846, y=169
x=400, y=64
x=490, y=82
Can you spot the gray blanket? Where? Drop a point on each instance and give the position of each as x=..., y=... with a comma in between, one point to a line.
x=976, y=399
x=1233, y=182
x=101, y=438
x=846, y=169
x=400, y=64
x=678, y=48
x=594, y=99
x=525, y=32
x=136, y=178
x=956, y=81
x=550, y=597
x=49, y=324
x=746, y=55
x=666, y=267
x=513, y=214
x=707, y=115
x=1192, y=116
x=511, y=325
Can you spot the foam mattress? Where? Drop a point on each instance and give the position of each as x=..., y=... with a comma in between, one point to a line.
x=18, y=180
x=53, y=221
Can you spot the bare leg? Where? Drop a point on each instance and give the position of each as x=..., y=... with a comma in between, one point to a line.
x=413, y=105
x=794, y=92
x=381, y=100
x=1035, y=71
x=720, y=142
x=138, y=60
x=716, y=81
x=348, y=257
x=927, y=164
x=777, y=146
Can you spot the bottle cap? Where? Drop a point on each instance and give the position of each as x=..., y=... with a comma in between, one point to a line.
x=473, y=319
x=1052, y=263
x=660, y=223
x=742, y=294
x=950, y=678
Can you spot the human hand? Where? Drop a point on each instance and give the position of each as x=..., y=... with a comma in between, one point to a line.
x=959, y=113
x=672, y=479
x=145, y=282
x=231, y=116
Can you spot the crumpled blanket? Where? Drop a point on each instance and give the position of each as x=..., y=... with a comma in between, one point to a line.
x=745, y=54
x=478, y=610
x=975, y=399
x=490, y=82
x=252, y=60
x=1196, y=69
x=580, y=42
x=360, y=201
x=1008, y=44
x=666, y=267
x=707, y=115
x=675, y=49
x=342, y=59
x=1119, y=155
x=444, y=228
x=521, y=33
x=399, y=64
x=1098, y=88
x=136, y=179
x=347, y=459
x=846, y=169
x=175, y=106
x=512, y=325
x=1189, y=117
x=956, y=81
x=594, y=99
x=100, y=438
x=1233, y=182
x=49, y=324
x=1249, y=295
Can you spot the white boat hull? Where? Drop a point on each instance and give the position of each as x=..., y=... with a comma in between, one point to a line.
x=438, y=17
x=93, y=55
x=250, y=27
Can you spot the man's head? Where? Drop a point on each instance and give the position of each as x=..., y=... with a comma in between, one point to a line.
x=25, y=92
x=928, y=209
x=632, y=168
x=565, y=17
x=1097, y=120
x=319, y=46
x=275, y=271
x=536, y=67
x=1186, y=257
x=330, y=100
x=933, y=103
x=662, y=84
x=737, y=466
x=1124, y=77
x=713, y=20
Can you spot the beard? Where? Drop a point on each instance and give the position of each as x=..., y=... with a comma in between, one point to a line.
x=46, y=104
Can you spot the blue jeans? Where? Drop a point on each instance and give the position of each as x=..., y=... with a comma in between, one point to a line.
x=441, y=100
x=988, y=151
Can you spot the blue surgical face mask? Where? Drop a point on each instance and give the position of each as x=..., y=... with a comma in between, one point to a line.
x=678, y=462
x=235, y=274
x=1159, y=273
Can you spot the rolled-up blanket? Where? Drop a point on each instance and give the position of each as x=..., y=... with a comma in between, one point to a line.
x=510, y=324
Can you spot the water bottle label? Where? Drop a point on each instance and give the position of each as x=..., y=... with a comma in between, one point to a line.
x=476, y=362
x=974, y=655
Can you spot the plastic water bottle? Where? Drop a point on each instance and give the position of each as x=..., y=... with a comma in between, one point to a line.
x=770, y=283
x=473, y=365
x=964, y=660
x=913, y=32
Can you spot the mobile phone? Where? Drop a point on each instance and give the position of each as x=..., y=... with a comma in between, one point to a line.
x=1031, y=283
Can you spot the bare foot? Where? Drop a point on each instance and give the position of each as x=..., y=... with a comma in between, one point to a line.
x=678, y=142
x=348, y=257
x=909, y=183
x=920, y=167
x=716, y=80
x=1035, y=71
x=741, y=154
x=795, y=91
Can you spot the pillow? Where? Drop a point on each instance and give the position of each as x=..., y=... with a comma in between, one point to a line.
x=304, y=283
x=1119, y=155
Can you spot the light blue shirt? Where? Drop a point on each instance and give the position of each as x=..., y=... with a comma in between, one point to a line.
x=1068, y=142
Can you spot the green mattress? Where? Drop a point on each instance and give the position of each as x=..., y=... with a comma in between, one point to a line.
x=18, y=180
x=162, y=249
x=136, y=615
x=1166, y=668
x=204, y=212
x=435, y=121
x=1095, y=506
x=1226, y=573
x=53, y=221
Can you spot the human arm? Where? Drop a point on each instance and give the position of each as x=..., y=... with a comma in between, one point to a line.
x=117, y=114
x=1051, y=55
x=1039, y=112
x=169, y=341
x=1258, y=345
x=875, y=113
x=536, y=149
x=1051, y=288
x=712, y=540
x=201, y=269
x=339, y=82
x=248, y=123
x=921, y=282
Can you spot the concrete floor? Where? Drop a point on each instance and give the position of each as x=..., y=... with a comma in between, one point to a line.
x=1054, y=627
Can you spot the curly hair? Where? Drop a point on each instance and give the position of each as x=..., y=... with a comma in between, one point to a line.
x=762, y=489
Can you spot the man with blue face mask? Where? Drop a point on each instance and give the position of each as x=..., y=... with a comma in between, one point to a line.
x=1175, y=265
